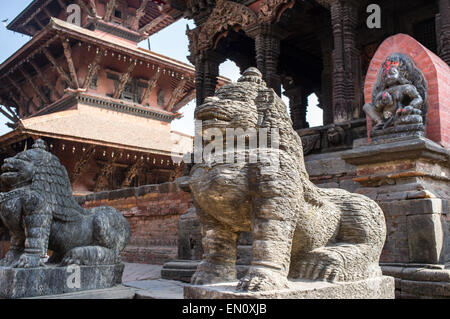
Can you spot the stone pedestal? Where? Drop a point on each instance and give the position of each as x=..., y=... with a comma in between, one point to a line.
x=374, y=288
x=409, y=177
x=54, y=280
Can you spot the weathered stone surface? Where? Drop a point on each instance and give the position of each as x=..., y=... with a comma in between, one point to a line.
x=181, y=270
x=157, y=289
x=414, y=282
x=426, y=238
x=299, y=230
x=53, y=280
x=40, y=213
x=118, y=292
x=372, y=288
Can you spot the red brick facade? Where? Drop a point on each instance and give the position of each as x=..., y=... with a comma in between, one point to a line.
x=153, y=212
x=437, y=74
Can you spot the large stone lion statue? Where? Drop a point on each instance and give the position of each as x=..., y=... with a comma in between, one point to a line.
x=299, y=230
x=40, y=213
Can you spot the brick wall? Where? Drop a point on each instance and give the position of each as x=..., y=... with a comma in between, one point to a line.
x=153, y=212
x=437, y=74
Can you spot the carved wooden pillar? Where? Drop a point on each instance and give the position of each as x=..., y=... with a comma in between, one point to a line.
x=206, y=73
x=267, y=47
x=346, y=66
x=326, y=90
x=298, y=102
x=444, y=30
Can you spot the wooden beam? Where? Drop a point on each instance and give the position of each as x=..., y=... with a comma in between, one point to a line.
x=152, y=24
x=9, y=116
x=140, y=12
x=102, y=180
x=123, y=80
x=57, y=66
x=62, y=5
x=33, y=15
x=132, y=172
x=33, y=85
x=85, y=8
x=109, y=10
x=82, y=163
x=25, y=98
x=68, y=55
x=189, y=96
x=151, y=85
x=44, y=78
x=38, y=22
x=11, y=111
x=49, y=15
x=93, y=69
x=93, y=7
x=176, y=94
x=13, y=97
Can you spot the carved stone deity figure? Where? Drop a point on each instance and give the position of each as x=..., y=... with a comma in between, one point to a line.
x=399, y=95
x=299, y=230
x=40, y=213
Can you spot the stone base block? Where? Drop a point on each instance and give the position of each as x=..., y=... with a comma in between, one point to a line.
x=55, y=280
x=374, y=288
x=181, y=270
x=420, y=282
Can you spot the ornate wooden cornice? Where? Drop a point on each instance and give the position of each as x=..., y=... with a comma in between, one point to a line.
x=271, y=10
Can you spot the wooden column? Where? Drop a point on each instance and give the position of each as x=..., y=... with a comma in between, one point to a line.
x=444, y=30
x=326, y=90
x=110, y=6
x=93, y=69
x=82, y=164
x=347, y=97
x=68, y=55
x=267, y=46
x=140, y=12
x=151, y=85
x=57, y=66
x=206, y=73
x=123, y=80
x=132, y=172
x=176, y=94
x=298, y=103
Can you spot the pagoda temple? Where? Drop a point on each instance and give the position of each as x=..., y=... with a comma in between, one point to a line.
x=102, y=104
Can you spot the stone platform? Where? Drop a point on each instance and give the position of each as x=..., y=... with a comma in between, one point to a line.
x=374, y=288
x=54, y=280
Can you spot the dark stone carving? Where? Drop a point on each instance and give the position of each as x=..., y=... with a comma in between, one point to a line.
x=40, y=213
x=299, y=230
x=399, y=96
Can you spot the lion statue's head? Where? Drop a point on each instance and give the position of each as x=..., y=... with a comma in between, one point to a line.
x=249, y=103
x=44, y=174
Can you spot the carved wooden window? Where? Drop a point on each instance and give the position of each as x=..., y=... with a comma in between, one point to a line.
x=425, y=33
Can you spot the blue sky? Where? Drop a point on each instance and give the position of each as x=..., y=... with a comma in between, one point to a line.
x=171, y=41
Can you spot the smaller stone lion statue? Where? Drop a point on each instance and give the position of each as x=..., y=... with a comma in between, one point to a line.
x=399, y=94
x=299, y=230
x=40, y=213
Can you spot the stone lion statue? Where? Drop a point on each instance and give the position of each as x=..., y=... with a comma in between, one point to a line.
x=299, y=230
x=40, y=213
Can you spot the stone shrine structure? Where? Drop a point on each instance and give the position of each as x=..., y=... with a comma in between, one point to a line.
x=40, y=213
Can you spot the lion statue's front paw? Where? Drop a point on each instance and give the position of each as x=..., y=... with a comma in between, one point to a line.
x=29, y=261
x=208, y=273
x=262, y=279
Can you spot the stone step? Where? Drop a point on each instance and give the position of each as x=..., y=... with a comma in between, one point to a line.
x=119, y=292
